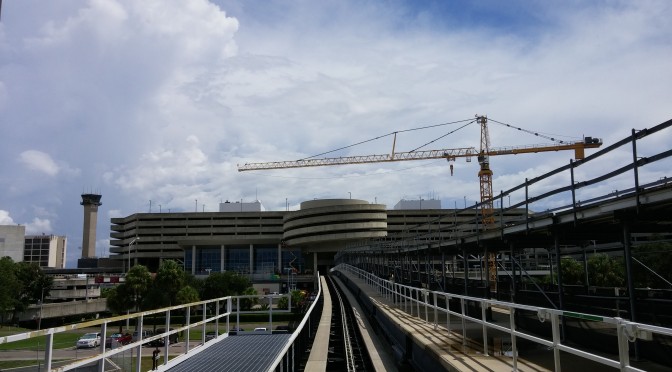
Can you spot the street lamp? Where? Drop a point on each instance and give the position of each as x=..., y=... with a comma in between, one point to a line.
x=129, y=252
x=39, y=320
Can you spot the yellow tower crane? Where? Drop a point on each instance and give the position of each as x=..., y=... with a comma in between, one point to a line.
x=483, y=154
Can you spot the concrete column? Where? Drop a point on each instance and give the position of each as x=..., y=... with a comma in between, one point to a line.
x=315, y=262
x=279, y=258
x=193, y=260
x=222, y=258
x=251, y=258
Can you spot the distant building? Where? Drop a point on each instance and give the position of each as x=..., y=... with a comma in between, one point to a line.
x=45, y=250
x=263, y=243
x=254, y=206
x=419, y=204
x=12, y=241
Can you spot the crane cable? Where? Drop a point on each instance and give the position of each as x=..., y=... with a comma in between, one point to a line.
x=394, y=133
x=529, y=131
x=436, y=139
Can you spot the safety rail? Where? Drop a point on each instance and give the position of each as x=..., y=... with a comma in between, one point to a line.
x=301, y=335
x=430, y=234
x=215, y=305
x=412, y=300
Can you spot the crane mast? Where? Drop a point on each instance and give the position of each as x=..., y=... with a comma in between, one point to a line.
x=485, y=173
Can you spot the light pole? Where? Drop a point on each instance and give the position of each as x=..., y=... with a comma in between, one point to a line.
x=39, y=320
x=129, y=253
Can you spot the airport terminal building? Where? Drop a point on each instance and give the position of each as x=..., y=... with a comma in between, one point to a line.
x=244, y=238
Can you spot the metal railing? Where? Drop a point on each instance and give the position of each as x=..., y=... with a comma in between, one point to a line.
x=286, y=359
x=420, y=302
x=212, y=312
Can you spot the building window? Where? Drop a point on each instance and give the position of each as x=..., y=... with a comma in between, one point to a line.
x=238, y=259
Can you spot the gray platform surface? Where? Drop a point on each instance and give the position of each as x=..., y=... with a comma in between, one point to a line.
x=236, y=353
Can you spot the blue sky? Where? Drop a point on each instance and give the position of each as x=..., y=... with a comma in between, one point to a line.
x=160, y=100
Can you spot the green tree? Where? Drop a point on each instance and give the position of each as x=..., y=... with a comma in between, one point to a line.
x=246, y=304
x=656, y=257
x=187, y=294
x=34, y=285
x=137, y=283
x=224, y=284
x=119, y=300
x=170, y=278
x=605, y=271
x=9, y=287
x=573, y=272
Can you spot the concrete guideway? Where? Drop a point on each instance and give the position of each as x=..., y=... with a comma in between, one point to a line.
x=438, y=343
x=414, y=325
x=319, y=352
x=318, y=359
x=380, y=358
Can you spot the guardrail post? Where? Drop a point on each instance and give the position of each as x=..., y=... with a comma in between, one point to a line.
x=186, y=340
x=103, y=337
x=417, y=301
x=485, y=328
x=48, y=351
x=203, y=331
x=436, y=311
x=514, y=347
x=407, y=300
x=138, y=352
x=166, y=340
x=555, y=324
x=425, y=294
x=464, y=326
x=623, y=347
x=448, y=315
x=217, y=318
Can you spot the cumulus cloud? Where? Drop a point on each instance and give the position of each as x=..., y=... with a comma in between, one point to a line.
x=39, y=161
x=160, y=100
x=5, y=218
x=38, y=226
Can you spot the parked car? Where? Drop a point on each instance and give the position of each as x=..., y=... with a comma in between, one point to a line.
x=145, y=334
x=89, y=340
x=172, y=338
x=211, y=335
x=260, y=329
x=117, y=339
x=235, y=330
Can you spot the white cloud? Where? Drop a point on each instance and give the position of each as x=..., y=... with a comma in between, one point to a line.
x=39, y=161
x=5, y=218
x=38, y=226
x=160, y=100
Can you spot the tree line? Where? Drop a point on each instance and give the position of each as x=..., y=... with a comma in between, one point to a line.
x=21, y=284
x=170, y=286
x=651, y=268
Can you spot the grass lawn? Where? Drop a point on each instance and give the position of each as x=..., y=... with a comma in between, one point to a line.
x=62, y=340
x=7, y=364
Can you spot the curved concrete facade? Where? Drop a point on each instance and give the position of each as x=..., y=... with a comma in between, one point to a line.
x=319, y=224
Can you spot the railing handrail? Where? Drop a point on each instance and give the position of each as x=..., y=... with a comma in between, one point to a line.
x=298, y=329
x=626, y=331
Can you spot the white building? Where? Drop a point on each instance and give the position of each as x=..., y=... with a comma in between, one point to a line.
x=404, y=204
x=45, y=250
x=239, y=206
x=12, y=241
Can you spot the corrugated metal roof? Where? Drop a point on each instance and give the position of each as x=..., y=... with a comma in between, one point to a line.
x=237, y=353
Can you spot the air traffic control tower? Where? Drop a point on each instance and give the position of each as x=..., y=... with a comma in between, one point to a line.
x=91, y=202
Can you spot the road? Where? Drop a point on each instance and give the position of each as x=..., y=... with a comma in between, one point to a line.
x=74, y=353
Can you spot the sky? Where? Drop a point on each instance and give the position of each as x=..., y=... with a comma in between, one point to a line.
x=154, y=103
